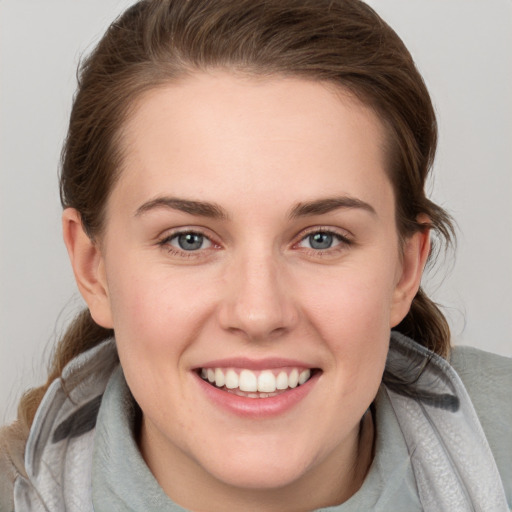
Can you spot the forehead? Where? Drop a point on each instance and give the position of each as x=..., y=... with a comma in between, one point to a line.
x=220, y=133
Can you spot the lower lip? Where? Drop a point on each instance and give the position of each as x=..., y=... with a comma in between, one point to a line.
x=257, y=407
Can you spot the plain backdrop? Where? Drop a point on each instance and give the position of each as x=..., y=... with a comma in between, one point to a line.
x=462, y=47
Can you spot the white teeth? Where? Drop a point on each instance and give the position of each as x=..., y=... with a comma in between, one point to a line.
x=266, y=382
x=247, y=381
x=293, y=378
x=304, y=376
x=282, y=381
x=231, y=379
x=257, y=385
x=219, y=378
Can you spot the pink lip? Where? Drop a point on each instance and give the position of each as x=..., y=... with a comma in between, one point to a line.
x=252, y=364
x=256, y=407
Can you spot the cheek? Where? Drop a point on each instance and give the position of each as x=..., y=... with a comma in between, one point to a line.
x=150, y=324
x=157, y=315
x=349, y=300
x=146, y=300
x=351, y=314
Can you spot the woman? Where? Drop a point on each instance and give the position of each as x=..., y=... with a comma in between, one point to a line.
x=244, y=210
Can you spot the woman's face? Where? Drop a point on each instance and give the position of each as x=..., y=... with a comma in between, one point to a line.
x=251, y=239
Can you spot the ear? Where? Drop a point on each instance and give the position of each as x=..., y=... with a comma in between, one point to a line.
x=415, y=253
x=88, y=266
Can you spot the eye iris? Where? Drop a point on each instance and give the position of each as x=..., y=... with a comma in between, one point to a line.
x=190, y=241
x=320, y=240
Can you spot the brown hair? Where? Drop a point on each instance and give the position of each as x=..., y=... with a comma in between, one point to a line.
x=340, y=41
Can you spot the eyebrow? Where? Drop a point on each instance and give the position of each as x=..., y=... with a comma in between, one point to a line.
x=199, y=208
x=329, y=204
x=215, y=211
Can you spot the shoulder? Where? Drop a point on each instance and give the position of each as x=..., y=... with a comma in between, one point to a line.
x=468, y=359
x=12, y=451
x=488, y=380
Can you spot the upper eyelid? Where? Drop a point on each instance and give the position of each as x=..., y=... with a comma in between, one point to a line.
x=342, y=233
x=174, y=232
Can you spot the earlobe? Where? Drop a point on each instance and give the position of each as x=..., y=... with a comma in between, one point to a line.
x=88, y=266
x=415, y=254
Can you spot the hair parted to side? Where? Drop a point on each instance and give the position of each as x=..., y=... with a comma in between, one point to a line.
x=156, y=41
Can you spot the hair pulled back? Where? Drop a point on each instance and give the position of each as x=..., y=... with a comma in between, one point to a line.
x=156, y=41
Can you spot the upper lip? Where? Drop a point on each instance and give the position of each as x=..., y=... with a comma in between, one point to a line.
x=254, y=364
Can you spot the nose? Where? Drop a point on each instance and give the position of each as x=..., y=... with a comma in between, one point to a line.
x=258, y=301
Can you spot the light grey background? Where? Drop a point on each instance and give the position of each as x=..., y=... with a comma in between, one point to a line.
x=462, y=47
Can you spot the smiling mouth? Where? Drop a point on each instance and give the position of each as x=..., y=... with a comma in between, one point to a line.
x=256, y=384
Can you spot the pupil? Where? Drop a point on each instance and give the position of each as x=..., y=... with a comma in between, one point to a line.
x=320, y=240
x=190, y=241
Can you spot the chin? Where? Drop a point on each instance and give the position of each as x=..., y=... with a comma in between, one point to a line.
x=266, y=466
x=257, y=476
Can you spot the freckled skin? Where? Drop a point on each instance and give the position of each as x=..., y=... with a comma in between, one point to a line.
x=256, y=288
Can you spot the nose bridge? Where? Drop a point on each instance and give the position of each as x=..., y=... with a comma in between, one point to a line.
x=258, y=302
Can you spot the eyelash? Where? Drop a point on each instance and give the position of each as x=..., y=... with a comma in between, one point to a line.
x=343, y=242
x=166, y=243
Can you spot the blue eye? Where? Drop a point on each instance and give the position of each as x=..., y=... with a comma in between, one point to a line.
x=322, y=240
x=190, y=241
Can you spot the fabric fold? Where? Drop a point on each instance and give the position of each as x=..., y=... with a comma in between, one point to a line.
x=450, y=456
